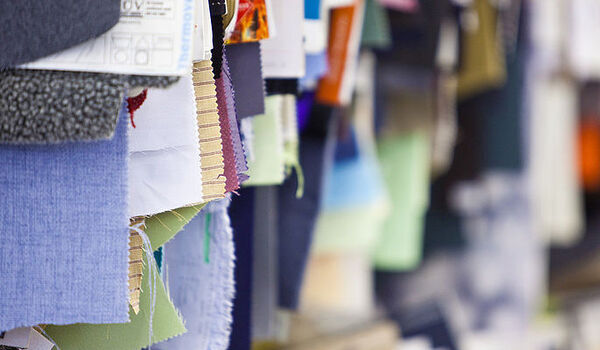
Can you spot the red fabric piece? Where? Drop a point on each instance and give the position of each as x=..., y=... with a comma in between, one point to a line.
x=134, y=103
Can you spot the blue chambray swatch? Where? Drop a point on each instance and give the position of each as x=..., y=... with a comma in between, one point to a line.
x=64, y=232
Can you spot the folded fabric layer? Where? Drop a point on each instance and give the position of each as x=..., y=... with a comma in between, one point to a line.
x=55, y=106
x=200, y=262
x=33, y=29
x=64, y=232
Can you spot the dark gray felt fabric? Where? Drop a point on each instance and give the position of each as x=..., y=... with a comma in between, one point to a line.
x=32, y=29
x=40, y=106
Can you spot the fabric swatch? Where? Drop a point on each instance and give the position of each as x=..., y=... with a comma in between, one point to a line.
x=405, y=167
x=34, y=29
x=316, y=66
x=164, y=154
x=283, y=55
x=335, y=87
x=162, y=227
x=200, y=262
x=209, y=131
x=52, y=106
x=376, y=27
x=268, y=164
x=297, y=216
x=134, y=335
x=246, y=77
x=264, y=265
x=232, y=182
x=241, y=212
x=240, y=157
x=46, y=217
x=482, y=57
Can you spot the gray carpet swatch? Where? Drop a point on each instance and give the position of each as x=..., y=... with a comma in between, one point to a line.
x=41, y=106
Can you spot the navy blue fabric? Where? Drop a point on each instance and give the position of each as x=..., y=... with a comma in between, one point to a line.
x=241, y=213
x=298, y=216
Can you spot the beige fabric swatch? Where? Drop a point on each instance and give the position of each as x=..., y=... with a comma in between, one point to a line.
x=209, y=129
x=136, y=263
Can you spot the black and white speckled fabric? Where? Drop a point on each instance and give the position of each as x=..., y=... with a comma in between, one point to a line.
x=151, y=81
x=41, y=106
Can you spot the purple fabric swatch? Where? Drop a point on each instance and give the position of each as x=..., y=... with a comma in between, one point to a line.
x=246, y=76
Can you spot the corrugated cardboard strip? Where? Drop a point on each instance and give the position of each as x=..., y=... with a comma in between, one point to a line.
x=211, y=151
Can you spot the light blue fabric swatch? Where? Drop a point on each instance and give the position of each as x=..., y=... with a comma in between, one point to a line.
x=64, y=232
x=353, y=183
x=316, y=67
x=199, y=262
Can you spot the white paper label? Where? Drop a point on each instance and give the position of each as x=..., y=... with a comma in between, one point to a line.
x=153, y=37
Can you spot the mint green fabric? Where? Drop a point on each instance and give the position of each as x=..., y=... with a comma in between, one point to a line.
x=405, y=163
x=350, y=230
x=266, y=166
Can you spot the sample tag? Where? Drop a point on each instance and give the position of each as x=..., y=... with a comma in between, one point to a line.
x=151, y=38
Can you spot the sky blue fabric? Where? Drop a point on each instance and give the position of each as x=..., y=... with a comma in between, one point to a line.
x=64, y=232
x=351, y=183
x=201, y=289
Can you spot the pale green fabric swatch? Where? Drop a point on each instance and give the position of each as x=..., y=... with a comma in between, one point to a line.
x=266, y=166
x=161, y=228
x=124, y=336
x=350, y=230
x=405, y=163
